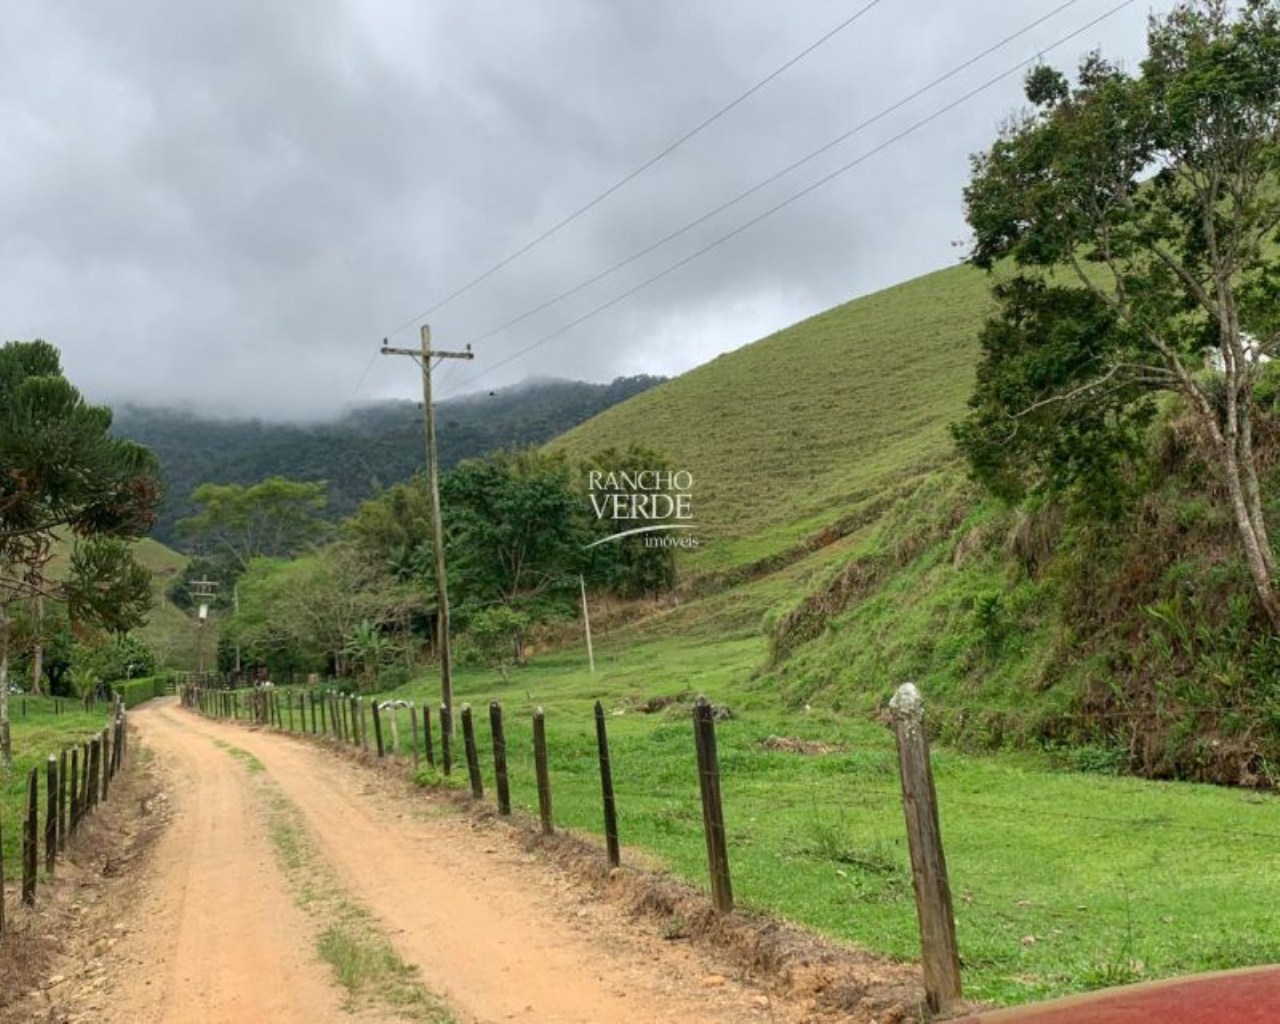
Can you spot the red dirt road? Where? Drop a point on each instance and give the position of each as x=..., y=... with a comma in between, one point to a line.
x=1250, y=996
x=496, y=933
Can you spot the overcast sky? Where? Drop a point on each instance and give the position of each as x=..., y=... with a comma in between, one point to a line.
x=226, y=206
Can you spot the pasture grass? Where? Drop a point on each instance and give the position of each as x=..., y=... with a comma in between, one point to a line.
x=1062, y=881
x=37, y=732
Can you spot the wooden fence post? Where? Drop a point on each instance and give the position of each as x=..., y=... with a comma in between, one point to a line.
x=541, y=770
x=413, y=725
x=95, y=758
x=62, y=799
x=102, y=767
x=941, y=958
x=606, y=789
x=29, y=839
x=106, y=763
x=50, y=814
x=473, y=756
x=446, y=739
x=704, y=734
x=377, y=728
x=83, y=792
x=501, y=783
x=288, y=697
x=85, y=749
x=74, y=798
x=428, y=744
x=1, y=878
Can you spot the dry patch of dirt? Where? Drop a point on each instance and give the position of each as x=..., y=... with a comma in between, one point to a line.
x=795, y=745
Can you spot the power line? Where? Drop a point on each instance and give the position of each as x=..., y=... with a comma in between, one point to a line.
x=814, y=186
x=359, y=384
x=813, y=155
x=631, y=176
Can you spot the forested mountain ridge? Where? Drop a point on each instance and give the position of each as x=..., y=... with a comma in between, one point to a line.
x=370, y=446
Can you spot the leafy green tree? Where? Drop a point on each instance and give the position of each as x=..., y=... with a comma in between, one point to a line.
x=628, y=565
x=1138, y=215
x=495, y=634
x=276, y=518
x=302, y=614
x=515, y=529
x=63, y=473
x=393, y=528
x=111, y=659
x=368, y=648
x=41, y=646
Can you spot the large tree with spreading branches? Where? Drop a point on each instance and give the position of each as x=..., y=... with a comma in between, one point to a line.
x=1134, y=220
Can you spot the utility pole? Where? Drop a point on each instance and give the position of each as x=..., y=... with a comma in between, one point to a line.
x=202, y=590
x=235, y=601
x=424, y=357
x=586, y=621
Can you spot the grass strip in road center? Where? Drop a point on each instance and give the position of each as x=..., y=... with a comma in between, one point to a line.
x=352, y=942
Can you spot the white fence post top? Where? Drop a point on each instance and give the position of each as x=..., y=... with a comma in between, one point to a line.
x=907, y=702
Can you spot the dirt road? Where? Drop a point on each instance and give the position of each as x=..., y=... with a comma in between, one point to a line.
x=218, y=933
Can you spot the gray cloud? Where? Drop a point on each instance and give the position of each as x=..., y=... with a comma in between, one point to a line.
x=228, y=205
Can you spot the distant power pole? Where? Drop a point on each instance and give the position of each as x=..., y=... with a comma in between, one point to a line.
x=424, y=357
x=202, y=590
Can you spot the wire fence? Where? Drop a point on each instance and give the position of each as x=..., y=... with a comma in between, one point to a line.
x=1151, y=856
x=74, y=781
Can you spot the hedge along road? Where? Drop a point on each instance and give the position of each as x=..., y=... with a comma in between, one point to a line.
x=219, y=936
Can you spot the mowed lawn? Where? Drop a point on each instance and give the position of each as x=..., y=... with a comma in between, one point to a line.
x=1062, y=881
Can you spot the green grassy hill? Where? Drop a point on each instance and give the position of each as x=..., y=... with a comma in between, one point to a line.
x=168, y=632
x=789, y=437
x=841, y=535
